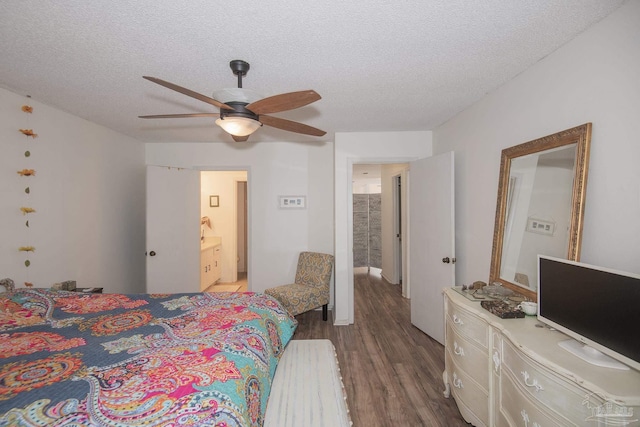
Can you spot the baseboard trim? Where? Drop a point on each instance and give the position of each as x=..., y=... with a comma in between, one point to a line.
x=386, y=278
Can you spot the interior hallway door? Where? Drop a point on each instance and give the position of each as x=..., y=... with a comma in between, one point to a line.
x=173, y=230
x=431, y=240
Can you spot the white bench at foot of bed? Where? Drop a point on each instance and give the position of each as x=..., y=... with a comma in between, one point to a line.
x=307, y=388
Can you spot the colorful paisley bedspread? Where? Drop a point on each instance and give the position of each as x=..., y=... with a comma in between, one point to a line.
x=201, y=359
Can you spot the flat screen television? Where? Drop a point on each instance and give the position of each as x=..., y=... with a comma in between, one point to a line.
x=597, y=307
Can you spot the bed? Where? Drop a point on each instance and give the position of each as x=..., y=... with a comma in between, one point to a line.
x=190, y=359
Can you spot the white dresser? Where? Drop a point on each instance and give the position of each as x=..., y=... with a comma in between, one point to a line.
x=510, y=372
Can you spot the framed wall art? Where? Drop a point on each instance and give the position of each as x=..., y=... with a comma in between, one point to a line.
x=292, y=202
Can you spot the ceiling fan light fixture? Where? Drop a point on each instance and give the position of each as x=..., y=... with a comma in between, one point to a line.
x=238, y=126
x=242, y=111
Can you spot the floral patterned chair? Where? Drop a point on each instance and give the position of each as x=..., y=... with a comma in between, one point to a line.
x=311, y=287
x=8, y=284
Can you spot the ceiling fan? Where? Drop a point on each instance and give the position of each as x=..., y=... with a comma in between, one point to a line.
x=242, y=111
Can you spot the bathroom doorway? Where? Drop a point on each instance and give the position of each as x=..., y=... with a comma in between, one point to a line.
x=224, y=208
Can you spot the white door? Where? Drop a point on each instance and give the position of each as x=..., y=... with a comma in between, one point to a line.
x=173, y=230
x=431, y=240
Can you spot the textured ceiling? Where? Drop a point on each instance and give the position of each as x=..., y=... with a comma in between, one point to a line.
x=379, y=65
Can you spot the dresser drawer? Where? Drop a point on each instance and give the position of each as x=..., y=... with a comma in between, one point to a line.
x=467, y=356
x=467, y=324
x=508, y=372
x=516, y=408
x=468, y=394
x=547, y=388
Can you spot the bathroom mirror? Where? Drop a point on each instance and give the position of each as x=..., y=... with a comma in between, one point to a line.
x=541, y=193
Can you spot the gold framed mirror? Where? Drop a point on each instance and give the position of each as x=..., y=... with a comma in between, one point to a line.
x=540, y=206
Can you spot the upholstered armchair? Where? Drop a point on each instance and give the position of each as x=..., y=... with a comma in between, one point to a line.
x=311, y=287
x=8, y=284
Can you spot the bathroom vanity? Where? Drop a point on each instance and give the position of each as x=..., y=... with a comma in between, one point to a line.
x=210, y=263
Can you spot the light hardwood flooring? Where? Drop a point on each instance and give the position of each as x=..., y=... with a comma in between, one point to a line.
x=392, y=372
x=239, y=286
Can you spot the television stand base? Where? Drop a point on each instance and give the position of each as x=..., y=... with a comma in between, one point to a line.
x=591, y=355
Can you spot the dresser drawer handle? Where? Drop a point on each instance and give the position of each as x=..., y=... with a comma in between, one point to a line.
x=457, y=320
x=525, y=418
x=496, y=361
x=457, y=382
x=534, y=383
x=457, y=349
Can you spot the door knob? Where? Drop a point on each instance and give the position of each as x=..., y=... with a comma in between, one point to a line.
x=446, y=260
x=152, y=253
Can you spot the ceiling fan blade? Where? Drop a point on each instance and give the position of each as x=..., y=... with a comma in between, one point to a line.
x=188, y=92
x=290, y=126
x=179, y=116
x=283, y=102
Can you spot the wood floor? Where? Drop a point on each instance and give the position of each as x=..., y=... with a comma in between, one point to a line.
x=392, y=372
x=238, y=286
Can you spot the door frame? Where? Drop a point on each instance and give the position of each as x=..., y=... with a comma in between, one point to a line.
x=398, y=229
x=246, y=169
x=243, y=205
x=349, y=164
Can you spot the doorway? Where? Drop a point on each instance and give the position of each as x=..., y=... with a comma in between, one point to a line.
x=383, y=182
x=224, y=202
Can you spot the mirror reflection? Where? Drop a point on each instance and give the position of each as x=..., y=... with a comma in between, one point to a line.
x=538, y=212
x=540, y=206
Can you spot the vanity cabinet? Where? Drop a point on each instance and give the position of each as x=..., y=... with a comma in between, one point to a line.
x=210, y=265
x=216, y=267
x=511, y=372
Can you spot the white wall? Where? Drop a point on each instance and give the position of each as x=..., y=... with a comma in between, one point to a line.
x=594, y=78
x=89, y=196
x=366, y=186
x=276, y=236
x=353, y=148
